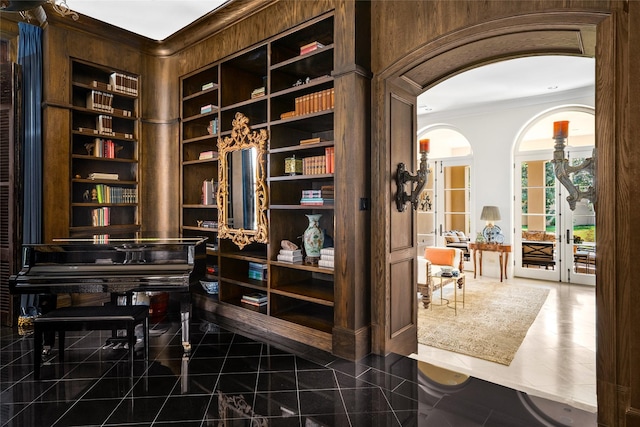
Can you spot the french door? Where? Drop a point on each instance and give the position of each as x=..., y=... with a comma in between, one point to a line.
x=552, y=242
x=453, y=188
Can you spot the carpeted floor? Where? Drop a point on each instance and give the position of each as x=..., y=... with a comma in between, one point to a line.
x=492, y=324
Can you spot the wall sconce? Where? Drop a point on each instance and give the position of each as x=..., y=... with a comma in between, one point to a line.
x=563, y=170
x=420, y=178
x=491, y=233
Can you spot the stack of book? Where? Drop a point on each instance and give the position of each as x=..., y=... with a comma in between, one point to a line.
x=206, y=109
x=293, y=256
x=317, y=197
x=207, y=155
x=326, y=258
x=256, y=301
x=257, y=271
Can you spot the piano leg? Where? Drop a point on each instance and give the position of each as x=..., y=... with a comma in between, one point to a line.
x=185, y=317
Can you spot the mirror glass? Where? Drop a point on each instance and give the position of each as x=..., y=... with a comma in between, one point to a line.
x=242, y=196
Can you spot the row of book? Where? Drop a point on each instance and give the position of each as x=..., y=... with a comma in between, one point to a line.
x=323, y=196
x=317, y=165
x=100, y=101
x=326, y=258
x=257, y=271
x=119, y=82
x=101, y=217
x=212, y=129
x=124, y=83
x=107, y=194
x=315, y=102
x=104, y=148
x=100, y=238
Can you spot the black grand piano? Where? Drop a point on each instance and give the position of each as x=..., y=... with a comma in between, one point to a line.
x=120, y=266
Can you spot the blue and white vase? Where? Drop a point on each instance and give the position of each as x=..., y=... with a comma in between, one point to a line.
x=313, y=238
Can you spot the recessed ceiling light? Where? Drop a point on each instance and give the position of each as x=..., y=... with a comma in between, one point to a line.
x=554, y=87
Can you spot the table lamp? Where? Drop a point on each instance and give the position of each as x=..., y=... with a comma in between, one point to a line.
x=490, y=214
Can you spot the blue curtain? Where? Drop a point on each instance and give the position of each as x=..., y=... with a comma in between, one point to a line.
x=30, y=60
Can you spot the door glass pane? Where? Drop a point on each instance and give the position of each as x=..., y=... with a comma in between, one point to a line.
x=427, y=215
x=584, y=227
x=538, y=215
x=456, y=199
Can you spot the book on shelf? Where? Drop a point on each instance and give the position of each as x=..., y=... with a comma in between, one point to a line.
x=209, y=85
x=329, y=155
x=206, y=155
x=314, y=165
x=104, y=124
x=102, y=175
x=326, y=251
x=287, y=114
x=292, y=259
x=308, y=194
x=316, y=201
x=310, y=141
x=326, y=257
x=310, y=47
x=258, y=92
x=257, y=271
x=327, y=191
x=322, y=263
x=124, y=83
x=99, y=101
x=101, y=85
x=212, y=129
x=107, y=194
x=256, y=297
x=291, y=252
x=100, y=217
x=314, y=102
x=206, y=108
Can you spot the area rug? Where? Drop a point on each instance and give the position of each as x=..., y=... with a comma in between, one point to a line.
x=491, y=326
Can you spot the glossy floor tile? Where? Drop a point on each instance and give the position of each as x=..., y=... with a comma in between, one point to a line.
x=557, y=357
x=232, y=380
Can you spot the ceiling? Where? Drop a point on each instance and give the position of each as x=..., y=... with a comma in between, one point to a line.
x=519, y=78
x=155, y=19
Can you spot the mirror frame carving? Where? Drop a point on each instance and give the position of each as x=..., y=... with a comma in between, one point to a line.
x=243, y=137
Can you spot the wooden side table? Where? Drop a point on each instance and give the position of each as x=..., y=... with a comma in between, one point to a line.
x=503, y=255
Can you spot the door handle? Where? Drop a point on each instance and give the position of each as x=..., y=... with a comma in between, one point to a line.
x=440, y=230
x=568, y=235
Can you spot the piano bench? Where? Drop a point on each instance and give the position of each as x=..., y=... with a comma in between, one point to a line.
x=106, y=317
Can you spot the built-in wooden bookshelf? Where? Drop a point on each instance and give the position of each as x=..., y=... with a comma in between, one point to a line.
x=105, y=127
x=291, y=94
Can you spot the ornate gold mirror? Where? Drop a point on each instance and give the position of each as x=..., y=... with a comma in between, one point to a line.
x=242, y=195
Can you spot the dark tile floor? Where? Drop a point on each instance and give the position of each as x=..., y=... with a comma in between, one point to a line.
x=232, y=380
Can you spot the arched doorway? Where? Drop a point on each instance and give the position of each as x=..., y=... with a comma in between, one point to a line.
x=394, y=102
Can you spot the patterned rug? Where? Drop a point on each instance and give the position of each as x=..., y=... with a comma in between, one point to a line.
x=492, y=324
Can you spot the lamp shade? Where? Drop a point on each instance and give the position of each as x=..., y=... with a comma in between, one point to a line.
x=490, y=213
